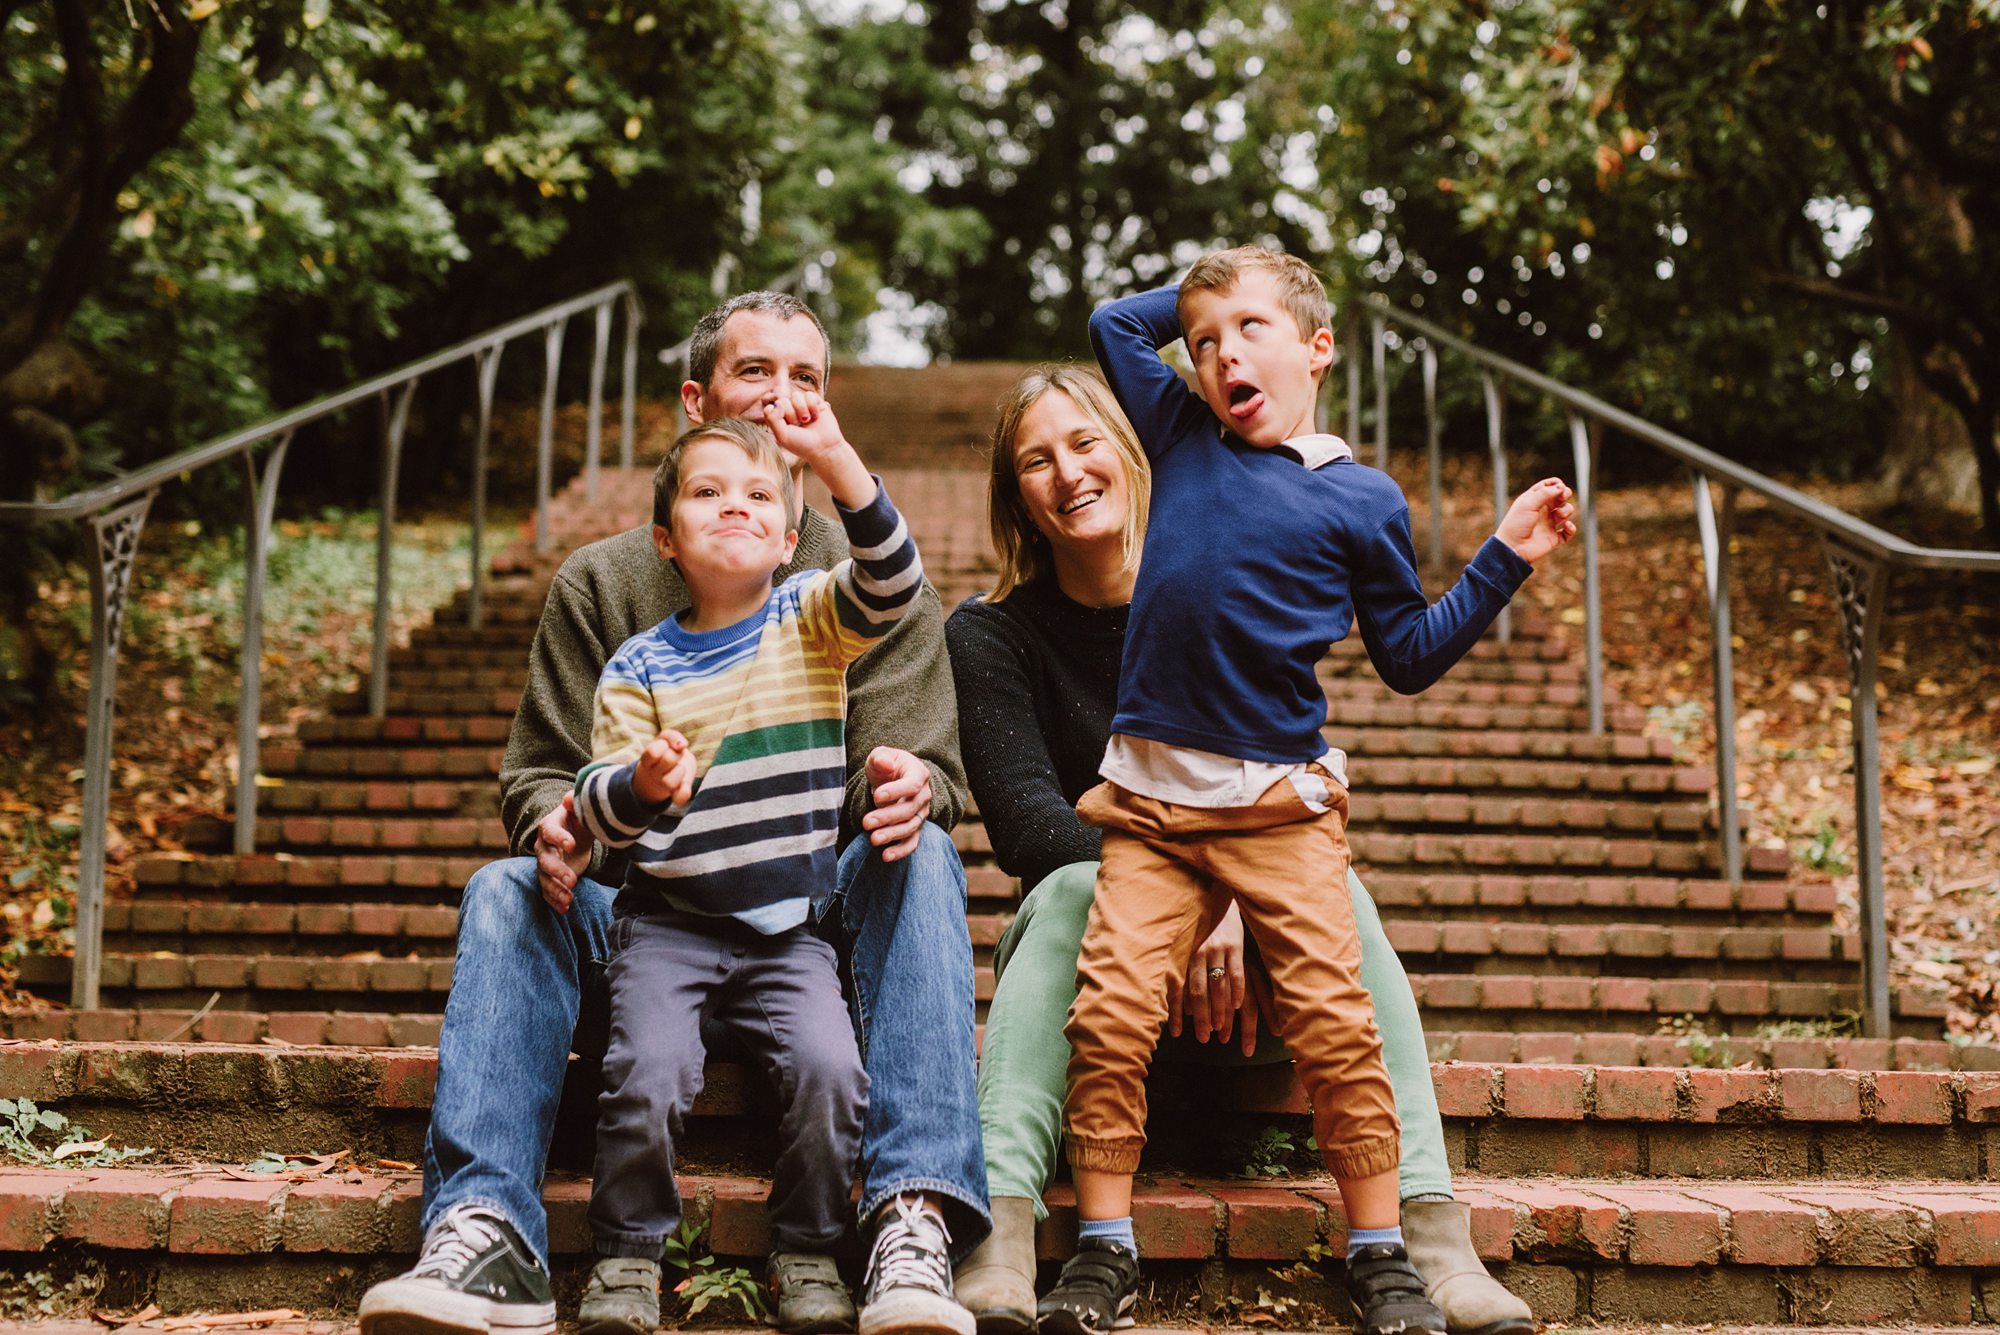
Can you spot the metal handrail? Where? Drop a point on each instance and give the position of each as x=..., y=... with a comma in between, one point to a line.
x=1859, y=556
x=117, y=510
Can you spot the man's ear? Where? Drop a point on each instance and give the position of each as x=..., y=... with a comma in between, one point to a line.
x=691, y=396
x=663, y=542
x=1319, y=350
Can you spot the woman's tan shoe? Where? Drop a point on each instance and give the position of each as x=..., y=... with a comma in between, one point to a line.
x=997, y=1282
x=1439, y=1236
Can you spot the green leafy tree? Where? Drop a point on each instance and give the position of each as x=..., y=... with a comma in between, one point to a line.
x=1730, y=216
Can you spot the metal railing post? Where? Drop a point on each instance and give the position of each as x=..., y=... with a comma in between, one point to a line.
x=593, y=431
x=486, y=369
x=1862, y=583
x=115, y=545
x=1353, y=381
x=1583, y=449
x=1431, y=454
x=628, y=383
x=263, y=498
x=1381, y=360
x=395, y=417
x=1717, y=530
x=1496, y=454
x=545, y=441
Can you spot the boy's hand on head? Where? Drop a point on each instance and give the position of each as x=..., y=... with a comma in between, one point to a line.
x=664, y=770
x=1541, y=519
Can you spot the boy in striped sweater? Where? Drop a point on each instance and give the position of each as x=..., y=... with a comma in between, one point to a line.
x=717, y=759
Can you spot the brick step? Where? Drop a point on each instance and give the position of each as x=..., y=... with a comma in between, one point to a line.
x=1370, y=808
x=365, y=832
x=439, y=797
x=409, y=697
x=1497, y=744
x=410, y=730
x=222, y=1101
x=1533, y=1003
x=287, y=758
x=239, y=927
x=1745, y=1050
x=1622, y=1251
x=1395, y=828
x=423, y=878
x=1507, y=1001
x=1460, y=776
x=1576, y=855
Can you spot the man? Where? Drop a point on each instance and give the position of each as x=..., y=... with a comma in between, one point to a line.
x=527, y=985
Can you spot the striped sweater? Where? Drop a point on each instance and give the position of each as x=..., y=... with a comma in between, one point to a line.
x=762, y=704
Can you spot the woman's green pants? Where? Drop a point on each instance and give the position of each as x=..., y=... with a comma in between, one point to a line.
x=1024, y=1058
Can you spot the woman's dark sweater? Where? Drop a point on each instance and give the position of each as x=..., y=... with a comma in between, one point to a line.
x=1037, y=679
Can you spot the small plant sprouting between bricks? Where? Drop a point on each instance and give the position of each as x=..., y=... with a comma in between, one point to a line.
x=705, y=1282
x=1267, y=1153
x=1703, y=1048
x=21, y=1121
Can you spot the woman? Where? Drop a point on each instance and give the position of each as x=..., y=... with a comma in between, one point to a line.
x=1036, y=663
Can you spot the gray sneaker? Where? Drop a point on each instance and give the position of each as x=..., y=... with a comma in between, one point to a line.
x=807, y=1295
x=907, y=1288
x=622, y=1297
x=475, y=1275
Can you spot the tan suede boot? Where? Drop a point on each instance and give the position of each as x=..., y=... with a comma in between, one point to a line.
x=997, y=1282
x=1439, y=1236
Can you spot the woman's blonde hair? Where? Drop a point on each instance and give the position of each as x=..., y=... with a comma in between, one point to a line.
x=1024, y=553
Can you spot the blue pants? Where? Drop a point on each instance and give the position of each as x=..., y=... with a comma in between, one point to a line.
x=528, y=986
x=671, y=973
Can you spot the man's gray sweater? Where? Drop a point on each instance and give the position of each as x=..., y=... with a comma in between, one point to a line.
x=898, y=694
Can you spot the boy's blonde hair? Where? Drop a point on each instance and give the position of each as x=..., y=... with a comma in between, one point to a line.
x=753, y=438
x=1024, y=553
x=1303, y=293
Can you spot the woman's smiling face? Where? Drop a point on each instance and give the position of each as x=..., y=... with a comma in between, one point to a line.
x=1071, y=477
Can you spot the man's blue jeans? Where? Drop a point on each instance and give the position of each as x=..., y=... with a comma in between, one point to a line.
x=528, y=987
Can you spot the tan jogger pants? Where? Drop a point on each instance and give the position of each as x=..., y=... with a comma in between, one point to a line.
x=1168, y=874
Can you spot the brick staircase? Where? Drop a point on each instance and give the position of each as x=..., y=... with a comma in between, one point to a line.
x=1582, y=967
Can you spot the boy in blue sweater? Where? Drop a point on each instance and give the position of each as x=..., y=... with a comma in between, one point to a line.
x=1265, y=543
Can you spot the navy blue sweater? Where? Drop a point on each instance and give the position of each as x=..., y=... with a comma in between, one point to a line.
x=1254, y=565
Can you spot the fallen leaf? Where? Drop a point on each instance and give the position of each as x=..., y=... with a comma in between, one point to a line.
x=78, y=1147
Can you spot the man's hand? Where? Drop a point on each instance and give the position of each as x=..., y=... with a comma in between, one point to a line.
x=562, y=851
x=1216, y=1000
x=1541, y=519
x=901, y=786
x=665, y=769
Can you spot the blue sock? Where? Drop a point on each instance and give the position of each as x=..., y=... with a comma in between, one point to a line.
x=1368, y=1237
x=1120, y=1232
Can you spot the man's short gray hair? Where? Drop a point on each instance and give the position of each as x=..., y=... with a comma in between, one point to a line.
x=706, y=344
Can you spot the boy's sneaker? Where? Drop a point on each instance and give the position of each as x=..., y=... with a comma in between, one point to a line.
x=807, y=1295
x=1388, y=1293
x=907, y=1287
x=475, y=1274
x=622, y=1297
x=1095, y=1293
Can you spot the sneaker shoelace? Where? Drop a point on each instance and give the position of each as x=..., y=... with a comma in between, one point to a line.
x=455, y=1242
x=911, y=1248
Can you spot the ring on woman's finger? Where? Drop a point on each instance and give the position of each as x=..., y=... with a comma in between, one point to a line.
x=1217, y=974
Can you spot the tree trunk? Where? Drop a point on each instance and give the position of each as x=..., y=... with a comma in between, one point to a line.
x=1928, y=460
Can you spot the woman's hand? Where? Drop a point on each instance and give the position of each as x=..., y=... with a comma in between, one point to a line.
x=1220, y=990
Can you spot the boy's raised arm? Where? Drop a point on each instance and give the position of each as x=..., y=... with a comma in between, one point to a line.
x=1127, y=336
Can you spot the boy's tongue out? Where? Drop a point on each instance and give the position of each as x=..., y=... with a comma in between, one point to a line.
x=1245, y=400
